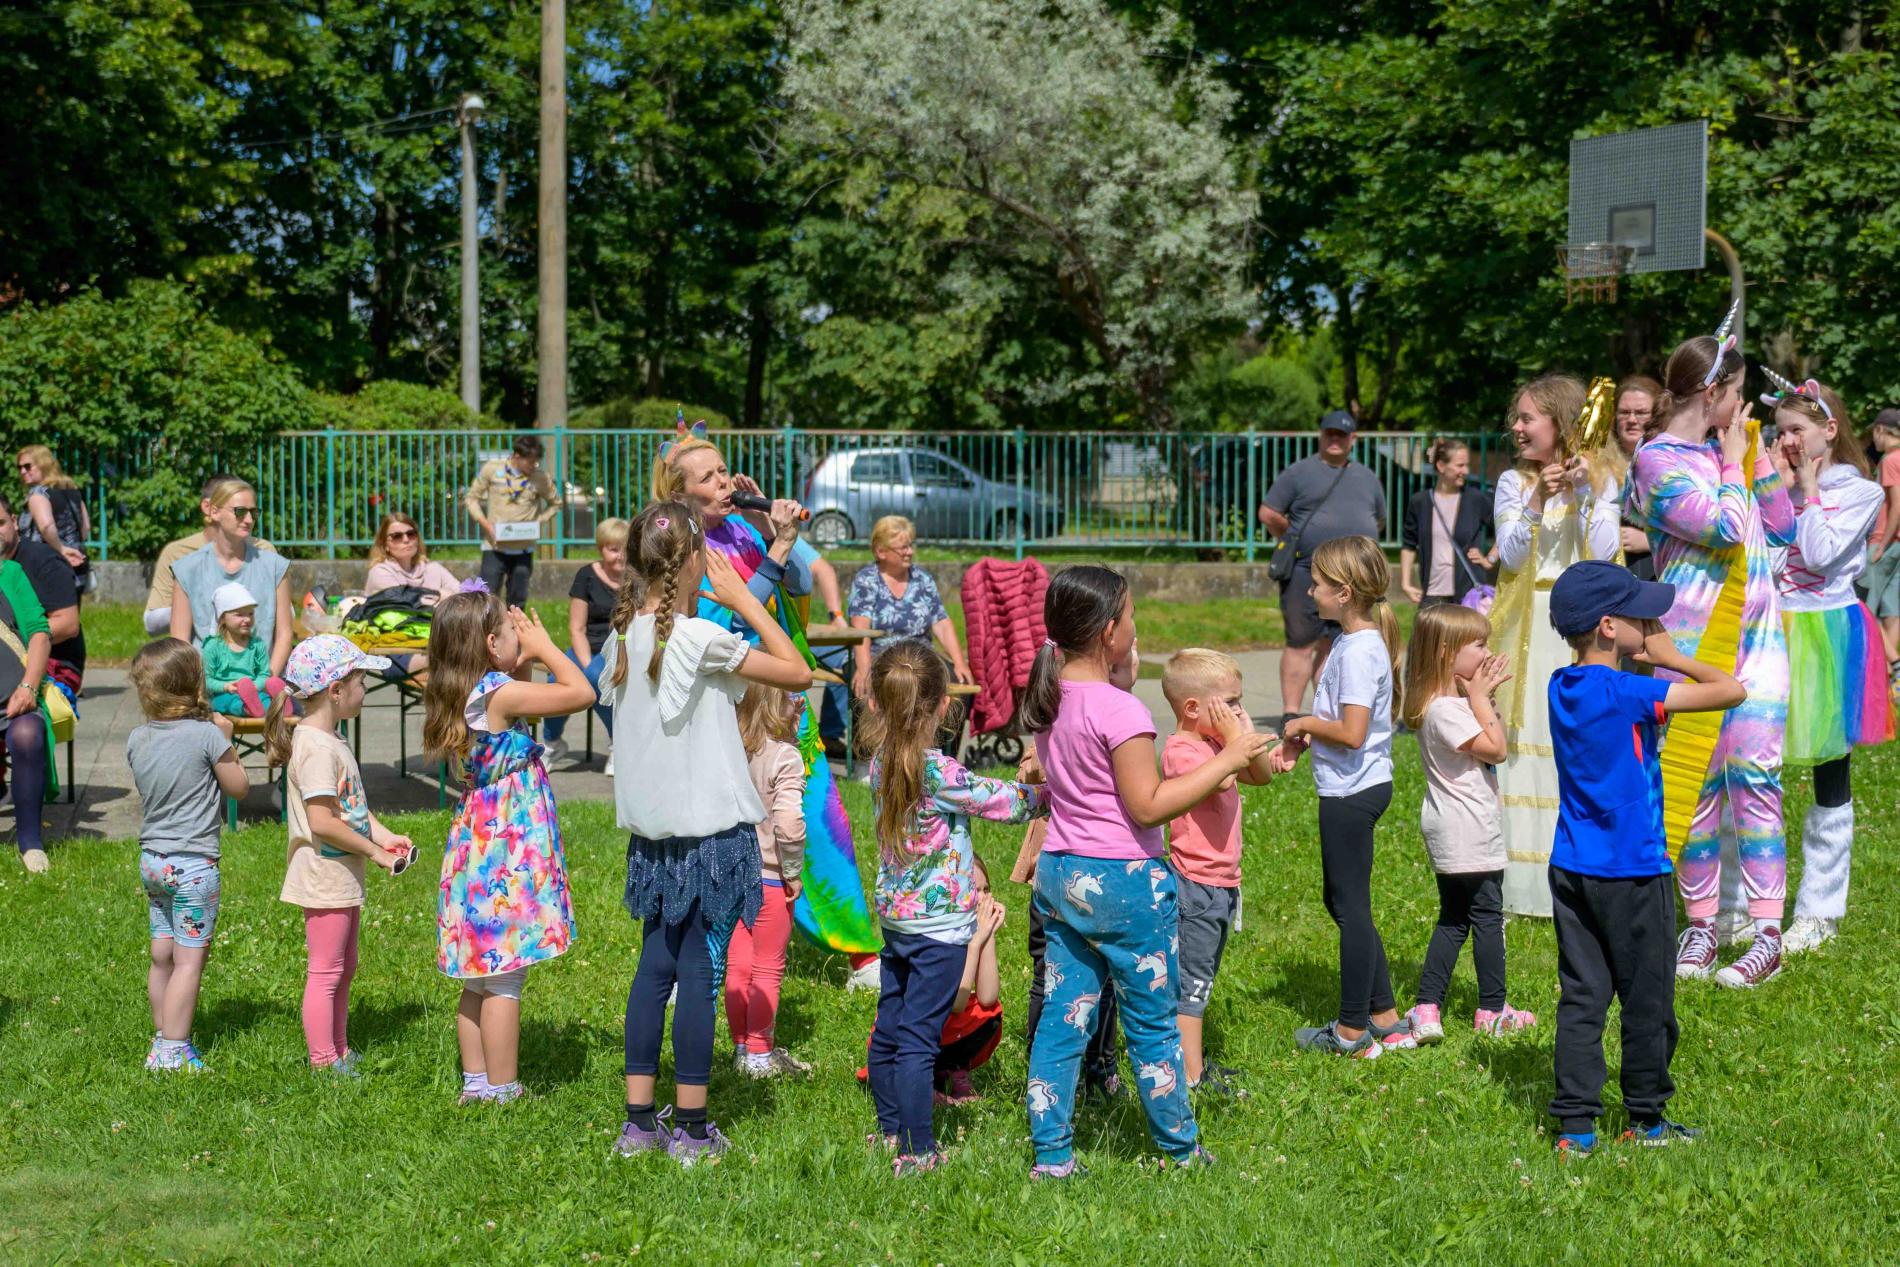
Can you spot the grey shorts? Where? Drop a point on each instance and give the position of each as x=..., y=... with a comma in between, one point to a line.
x=1882, y=579
x=1206, y=913
x=1303, y=624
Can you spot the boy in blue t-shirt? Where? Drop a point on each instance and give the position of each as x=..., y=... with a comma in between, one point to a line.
x=1612, y=895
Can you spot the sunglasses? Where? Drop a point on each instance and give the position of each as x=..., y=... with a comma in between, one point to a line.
x=26, y=466
x=401, y=535
x=243, y=512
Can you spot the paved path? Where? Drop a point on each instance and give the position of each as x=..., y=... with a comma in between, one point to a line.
x=104, y=806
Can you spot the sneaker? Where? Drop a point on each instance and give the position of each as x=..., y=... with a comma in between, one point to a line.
x=956, y=1088
x=554, y=750
x=1695, y=950
x=907, y=1164
x=1807, y=933
x=1397, y=1037
x=151, y=1053
x=739, y=1060
x=1761, y=963
x=1214, y=1084
x=1732, y=928
x=1070, y=1169
x=1106, y=1088
x=1509, y=1021
x=1226, y=1071
x=1661, y=1134
x=1199, y=1159
x=1576, y=1144
x=689, y=1152
x=350, y=1064
x=877, y=1140
x=784, y=1064
x=337, y=1069
x=186, y=1060
x=756, y=1064
x=1325, y=1038
x=635, y=1140
x=1428, y=1027
x=506, y=1093
x=35, y=860
x=869, y=977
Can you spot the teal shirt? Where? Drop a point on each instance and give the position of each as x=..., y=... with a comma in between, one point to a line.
x=225, y=665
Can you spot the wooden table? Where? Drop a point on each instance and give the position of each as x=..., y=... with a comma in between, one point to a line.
x=841, y=635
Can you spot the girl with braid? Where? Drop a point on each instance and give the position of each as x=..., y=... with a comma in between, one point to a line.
x=674, y=681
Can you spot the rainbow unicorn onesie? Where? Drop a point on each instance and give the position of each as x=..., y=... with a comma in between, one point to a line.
x=1702, y=523
x=831, y=910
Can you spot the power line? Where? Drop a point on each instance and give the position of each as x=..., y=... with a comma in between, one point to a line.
x=345, y=132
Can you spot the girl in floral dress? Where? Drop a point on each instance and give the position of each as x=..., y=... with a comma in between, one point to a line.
x=504, y=900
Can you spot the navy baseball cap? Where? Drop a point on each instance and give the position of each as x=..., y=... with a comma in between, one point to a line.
x=1595, y=588
x=1339, y=420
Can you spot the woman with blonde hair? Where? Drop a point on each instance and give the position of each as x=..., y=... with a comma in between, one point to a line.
x=897, y=596
x=229, y=554
x=1556, y=506
x=55, y=513
x=398, y=557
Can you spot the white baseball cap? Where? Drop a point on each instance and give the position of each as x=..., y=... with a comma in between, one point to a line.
x=229, y=598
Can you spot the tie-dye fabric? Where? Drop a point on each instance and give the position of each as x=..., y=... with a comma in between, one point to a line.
x=1694, y=521
x=503, y=901
x=924, y=882
x=1108, y=920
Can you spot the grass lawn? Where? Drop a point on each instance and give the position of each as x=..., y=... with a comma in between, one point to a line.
x=1433, y=1155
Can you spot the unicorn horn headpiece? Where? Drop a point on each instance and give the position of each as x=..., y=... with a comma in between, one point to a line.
x=1724, y=342
x=1809, y=391
x=682, y=432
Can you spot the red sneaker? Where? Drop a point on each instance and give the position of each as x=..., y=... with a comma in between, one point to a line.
x=1695, y=952
x=1761, y=963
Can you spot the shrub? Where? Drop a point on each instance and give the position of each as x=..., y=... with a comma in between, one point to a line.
x=627, y=413
x=396, y=406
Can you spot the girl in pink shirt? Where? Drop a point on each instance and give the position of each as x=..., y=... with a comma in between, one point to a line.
x=1105, y=893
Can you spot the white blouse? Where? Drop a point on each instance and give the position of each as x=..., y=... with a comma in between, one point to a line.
x=1599, y=535
x=679, y=765
x=1817, y=572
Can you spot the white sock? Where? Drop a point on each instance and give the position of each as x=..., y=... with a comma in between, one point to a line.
x=758, y=1059
x=1765, y=925
x=474, y=1082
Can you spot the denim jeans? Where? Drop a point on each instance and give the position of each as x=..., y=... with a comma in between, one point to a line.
x=920, y=979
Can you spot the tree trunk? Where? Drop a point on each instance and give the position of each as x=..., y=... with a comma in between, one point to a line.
x=550, y=403
x=759, y=341
x=1348, y=348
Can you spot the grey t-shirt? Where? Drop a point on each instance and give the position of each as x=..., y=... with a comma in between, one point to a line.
x=171, y=766
x=1305, y=491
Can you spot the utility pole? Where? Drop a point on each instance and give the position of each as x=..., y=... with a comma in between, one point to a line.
x=466, y=116
x=551, y=322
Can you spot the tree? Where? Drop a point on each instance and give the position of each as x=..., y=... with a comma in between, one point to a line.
x=1113, y=183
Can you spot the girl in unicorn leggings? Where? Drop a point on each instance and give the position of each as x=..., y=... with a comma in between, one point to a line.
x=1689, y=490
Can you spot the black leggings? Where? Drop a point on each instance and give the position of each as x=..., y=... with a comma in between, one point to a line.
x=1345, y=852
x=1470, y=905
x=26, y=753
x=1101, y=1056
x=1833, y=783
x=693, y=953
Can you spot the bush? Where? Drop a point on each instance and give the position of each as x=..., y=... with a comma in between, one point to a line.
x=144, y=395
x=628, y=413
x=395, y=406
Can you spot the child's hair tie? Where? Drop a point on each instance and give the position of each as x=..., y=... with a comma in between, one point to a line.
x=1050, y=643
x=474, y=585
x=662, y=522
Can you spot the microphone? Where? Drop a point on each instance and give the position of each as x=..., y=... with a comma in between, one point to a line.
x=752, y=501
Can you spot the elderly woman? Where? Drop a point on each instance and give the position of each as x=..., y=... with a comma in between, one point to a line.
x=1635, y=402
x=895, y=595
x=590, y=615
x=229, y=554
x=24, y=648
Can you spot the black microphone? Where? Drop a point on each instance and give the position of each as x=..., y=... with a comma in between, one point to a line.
x=752, y=501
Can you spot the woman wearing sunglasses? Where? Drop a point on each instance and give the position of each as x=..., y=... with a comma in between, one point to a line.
x=230, y=554
x=398, y=559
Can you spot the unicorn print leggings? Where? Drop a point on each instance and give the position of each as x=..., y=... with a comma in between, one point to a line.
x=1107, y=919
x=1742, y=795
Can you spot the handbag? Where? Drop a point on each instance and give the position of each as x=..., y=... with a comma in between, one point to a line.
x=1478, y=598
x=1280, y=566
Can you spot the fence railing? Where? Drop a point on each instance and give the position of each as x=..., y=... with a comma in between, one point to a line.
x=1014, y=492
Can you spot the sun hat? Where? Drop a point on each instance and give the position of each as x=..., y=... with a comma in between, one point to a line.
x=230, y=597
x=325, y=660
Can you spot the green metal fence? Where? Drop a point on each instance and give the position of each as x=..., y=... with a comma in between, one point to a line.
x=324, y=492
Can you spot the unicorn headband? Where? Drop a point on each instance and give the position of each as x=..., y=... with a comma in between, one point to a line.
x=682, y=432
x=1724, y=343
x=1809, y=391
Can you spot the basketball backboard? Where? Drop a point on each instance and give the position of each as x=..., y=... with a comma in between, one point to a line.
x=1647, y=191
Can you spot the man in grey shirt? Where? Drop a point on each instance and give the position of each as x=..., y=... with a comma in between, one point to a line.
x=1315, y=500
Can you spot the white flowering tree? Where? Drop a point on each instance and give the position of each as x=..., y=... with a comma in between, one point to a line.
x=1070, y=145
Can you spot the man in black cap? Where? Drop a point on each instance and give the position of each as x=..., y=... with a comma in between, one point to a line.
x=1315, y=500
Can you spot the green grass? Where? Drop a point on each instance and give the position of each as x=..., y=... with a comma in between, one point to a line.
x=1434, y=1155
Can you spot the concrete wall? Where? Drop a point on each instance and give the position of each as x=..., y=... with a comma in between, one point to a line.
x=1165, y=582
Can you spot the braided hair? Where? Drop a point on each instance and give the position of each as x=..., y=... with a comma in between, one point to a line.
x=660, y=542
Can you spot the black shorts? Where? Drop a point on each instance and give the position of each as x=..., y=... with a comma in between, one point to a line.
x=1303, y=625
x=1206, y=915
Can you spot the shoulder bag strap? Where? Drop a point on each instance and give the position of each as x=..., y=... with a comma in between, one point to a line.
x=1300, y=537
x=1463, y=562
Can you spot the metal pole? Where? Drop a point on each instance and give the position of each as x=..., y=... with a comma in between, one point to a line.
x=1737, y=293
x=551, y=318
x=471, y=110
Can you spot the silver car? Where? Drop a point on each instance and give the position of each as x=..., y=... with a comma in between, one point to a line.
x=851, y=490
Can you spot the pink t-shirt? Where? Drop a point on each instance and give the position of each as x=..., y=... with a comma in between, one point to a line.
x=1086, y=814
x=1204, y=843
x=1889, y=476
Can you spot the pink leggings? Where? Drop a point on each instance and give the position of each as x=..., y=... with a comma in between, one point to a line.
x=755, y=964
x=330, y=937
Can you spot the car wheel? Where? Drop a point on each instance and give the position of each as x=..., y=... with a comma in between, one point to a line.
x=829, y=529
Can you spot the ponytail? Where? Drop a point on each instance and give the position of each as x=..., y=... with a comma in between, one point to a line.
x=277, y=730
x=1079, y=606
x=1358, y=564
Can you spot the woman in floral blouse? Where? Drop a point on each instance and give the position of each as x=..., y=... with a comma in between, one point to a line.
x=899, y=598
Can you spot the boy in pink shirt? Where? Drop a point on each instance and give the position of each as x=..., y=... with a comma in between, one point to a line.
x=1204, y=845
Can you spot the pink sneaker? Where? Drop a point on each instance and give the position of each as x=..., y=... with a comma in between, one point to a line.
x=956, y=1088
x=1509, y=1021
x=1695, y=952
x=1761, y=963
x=1427, y=1027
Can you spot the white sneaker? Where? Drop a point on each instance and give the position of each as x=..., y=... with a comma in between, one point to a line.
x=869, y=977
x=783, y=1062
x=35, y=861
x=610, y=762
x=554, y=750
x=1806, y=933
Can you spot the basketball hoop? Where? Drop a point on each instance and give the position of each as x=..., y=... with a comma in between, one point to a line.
x=1591, y=269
